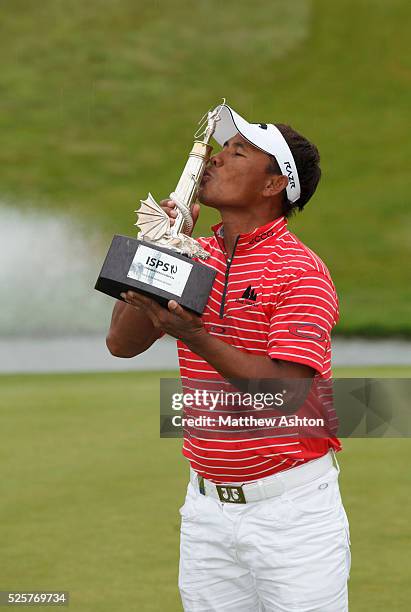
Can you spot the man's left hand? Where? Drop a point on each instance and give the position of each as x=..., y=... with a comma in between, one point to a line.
x=174, y=320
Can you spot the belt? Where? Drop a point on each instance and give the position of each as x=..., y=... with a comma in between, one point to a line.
x=264, y=488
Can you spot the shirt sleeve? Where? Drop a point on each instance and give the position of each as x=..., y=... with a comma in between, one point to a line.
x=301, y=323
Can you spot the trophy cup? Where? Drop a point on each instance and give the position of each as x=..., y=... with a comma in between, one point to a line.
x=159, y=263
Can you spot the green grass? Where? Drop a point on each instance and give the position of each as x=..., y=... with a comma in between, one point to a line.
x=373, y=372
x=90, y=496
x=100, y=100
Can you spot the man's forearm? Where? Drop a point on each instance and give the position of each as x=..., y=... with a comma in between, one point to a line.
x=131, y=331
x=232, y=363
x=265, y=374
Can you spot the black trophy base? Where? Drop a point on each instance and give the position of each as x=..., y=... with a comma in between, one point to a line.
x=160, y=273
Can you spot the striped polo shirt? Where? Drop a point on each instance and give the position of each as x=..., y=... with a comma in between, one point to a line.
x=274, y=297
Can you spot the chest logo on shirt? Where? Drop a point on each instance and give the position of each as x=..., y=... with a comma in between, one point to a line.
x=309, y=331
x=249, y=294
x=248, y=297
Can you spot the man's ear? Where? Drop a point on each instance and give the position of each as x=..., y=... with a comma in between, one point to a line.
x=275, y=185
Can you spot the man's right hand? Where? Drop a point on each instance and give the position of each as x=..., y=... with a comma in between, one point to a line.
x=170, y=208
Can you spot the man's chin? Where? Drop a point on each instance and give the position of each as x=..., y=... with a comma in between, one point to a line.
x=204, y=198
x=205, y=202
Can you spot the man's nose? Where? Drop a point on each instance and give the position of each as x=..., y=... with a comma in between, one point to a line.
x=216, y=160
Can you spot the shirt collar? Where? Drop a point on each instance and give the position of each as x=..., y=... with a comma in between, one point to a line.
x=260, y=235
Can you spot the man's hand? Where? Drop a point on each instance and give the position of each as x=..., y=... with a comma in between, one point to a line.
x=175, y=321
x=170, y=208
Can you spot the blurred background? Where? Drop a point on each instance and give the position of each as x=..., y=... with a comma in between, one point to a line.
x=99, y=104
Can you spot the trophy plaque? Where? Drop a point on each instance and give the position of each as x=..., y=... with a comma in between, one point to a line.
x=159, y=262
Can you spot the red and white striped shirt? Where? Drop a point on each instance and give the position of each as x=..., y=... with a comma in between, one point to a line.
x=275, y=297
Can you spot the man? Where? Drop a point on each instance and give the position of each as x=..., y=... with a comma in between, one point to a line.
x=284, y=546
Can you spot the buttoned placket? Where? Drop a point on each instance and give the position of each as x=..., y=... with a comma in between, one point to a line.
x=243, y=240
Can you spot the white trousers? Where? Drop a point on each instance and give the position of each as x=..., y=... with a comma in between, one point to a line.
x=285, y=554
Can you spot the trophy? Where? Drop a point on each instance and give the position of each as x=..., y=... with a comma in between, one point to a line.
x=159, y=263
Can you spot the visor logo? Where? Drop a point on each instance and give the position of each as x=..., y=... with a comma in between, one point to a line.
x=290, y=175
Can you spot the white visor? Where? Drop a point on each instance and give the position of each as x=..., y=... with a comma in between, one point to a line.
x=264, y=136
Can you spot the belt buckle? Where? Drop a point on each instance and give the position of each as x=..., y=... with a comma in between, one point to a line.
x=231, y=494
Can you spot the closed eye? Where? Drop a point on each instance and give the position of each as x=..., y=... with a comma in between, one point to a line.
x=236, y=146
